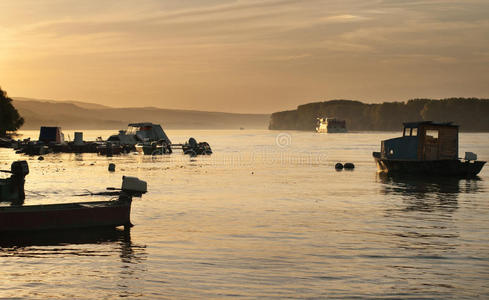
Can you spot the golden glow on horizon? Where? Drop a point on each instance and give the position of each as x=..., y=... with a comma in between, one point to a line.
x=242, y=56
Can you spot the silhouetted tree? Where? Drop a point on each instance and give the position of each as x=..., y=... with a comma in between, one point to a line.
x=10, y=120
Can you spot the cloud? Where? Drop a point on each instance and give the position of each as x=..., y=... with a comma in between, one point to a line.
x=265, y=43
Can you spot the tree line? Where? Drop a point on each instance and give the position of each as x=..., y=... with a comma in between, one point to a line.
x=472, y=114
x=10, y=120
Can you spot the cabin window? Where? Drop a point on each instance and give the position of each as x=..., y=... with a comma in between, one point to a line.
x=432, y=133
x=406, y=131
x=414, y=132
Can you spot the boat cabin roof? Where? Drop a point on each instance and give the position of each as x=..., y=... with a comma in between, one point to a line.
x=141, y=124
x=431, y=123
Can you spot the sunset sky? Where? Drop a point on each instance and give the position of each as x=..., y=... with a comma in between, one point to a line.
x=243, y=56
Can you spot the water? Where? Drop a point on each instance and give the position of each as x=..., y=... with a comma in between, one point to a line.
x=266, y=216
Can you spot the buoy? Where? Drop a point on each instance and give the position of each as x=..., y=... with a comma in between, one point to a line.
x=349, y=166
x=111, y=167
x=338, y=166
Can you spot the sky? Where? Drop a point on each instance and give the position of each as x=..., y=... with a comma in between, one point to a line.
x=243, y=56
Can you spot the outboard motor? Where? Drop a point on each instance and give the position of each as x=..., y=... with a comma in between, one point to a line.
x=192, y=142
x=18, y=169
x=133, y=186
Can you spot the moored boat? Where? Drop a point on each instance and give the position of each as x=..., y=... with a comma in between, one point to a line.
x=140, y=132
x=154, y=148
x=76, y=215
x=427, y=148
x=192, y=148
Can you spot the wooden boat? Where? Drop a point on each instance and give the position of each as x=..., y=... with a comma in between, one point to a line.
x=62, y=237
x=427, y=148
x=62, y=216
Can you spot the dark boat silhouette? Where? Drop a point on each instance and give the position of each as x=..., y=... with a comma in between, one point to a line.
x=29, y=218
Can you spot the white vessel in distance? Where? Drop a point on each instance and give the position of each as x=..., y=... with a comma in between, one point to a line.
x=331, y=125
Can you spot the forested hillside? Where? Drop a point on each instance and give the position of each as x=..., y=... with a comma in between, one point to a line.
x=471, y=114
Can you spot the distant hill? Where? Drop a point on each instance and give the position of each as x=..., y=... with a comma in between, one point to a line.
x=472, y=114
x=86, y=105
x=80, y=115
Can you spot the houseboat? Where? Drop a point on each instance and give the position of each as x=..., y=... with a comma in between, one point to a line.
x=426, y=148
x=64, y=216
x=330, y=125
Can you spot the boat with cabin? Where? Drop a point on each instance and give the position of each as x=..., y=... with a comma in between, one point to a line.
x=330, y=125
x=138, y=136
x=139, y=133
x=64, y=216
x=427, y=148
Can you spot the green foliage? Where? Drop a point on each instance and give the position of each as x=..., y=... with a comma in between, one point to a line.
x=10, y=120
x=471, y=114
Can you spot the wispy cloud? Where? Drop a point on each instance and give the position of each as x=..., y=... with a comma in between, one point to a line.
x=279, y=39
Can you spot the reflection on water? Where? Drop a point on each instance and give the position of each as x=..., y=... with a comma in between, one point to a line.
x=95, y=250
x=424, y=223
x=422, y=226
x=29, y=243
x=427, y=193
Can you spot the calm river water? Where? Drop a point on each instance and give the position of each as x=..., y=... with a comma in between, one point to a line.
x=266, y=216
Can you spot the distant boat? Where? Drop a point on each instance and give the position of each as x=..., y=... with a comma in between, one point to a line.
x=31, y=218
x=192, y=148
x=154, y=148
x=330, y=125
x=426, y=148
x=139, y=133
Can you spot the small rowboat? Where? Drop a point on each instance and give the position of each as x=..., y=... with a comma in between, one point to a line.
x=112, y=213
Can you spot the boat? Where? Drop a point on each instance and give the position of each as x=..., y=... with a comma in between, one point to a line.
x=65, y=216
x=63, y=237
x=427, y=148
x=139, y=133
x=133, y=138
x=154, y=148
x=193, y=148
x=5, y=142
x=109, y=149
x=331, y=125
x=51, y=140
